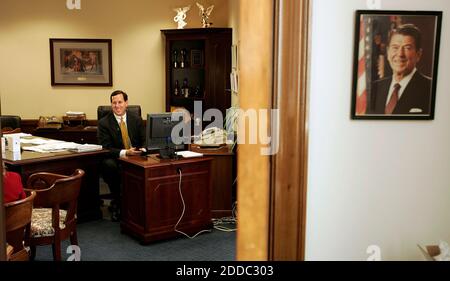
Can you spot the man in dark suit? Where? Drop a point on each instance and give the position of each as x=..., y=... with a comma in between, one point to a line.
x=122, y=133
x=407, y=91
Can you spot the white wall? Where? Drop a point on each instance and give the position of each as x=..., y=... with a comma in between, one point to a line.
x=372, y=182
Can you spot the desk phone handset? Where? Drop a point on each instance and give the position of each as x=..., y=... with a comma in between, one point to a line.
x=212, y=137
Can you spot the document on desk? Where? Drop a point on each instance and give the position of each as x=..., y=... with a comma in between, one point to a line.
x=86, y=147
x=52, y=147
x=20, y=135
x=188, y=154
x=37, y=140
x=58, y=146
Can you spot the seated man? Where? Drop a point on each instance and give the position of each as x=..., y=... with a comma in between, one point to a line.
x=12, y=186
x=121, y=133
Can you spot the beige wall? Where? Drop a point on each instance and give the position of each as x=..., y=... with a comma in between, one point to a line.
x=137, y=49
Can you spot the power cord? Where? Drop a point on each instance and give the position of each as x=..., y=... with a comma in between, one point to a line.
x=218, y=223
x=184, y=208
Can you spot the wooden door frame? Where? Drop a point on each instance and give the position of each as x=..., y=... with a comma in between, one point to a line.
x=2, y=209
x=255, y=92
x=289, y=166
x=273, y=62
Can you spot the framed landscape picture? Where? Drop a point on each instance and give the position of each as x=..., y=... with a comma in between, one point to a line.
x=81, y=62
x=395, y=64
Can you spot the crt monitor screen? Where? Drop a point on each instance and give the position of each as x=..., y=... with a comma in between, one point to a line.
x=159, y=130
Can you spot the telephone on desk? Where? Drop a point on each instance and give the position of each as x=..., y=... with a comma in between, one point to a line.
x=212, y=137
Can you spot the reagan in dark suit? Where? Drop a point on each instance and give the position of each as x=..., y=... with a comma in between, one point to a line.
x=415, y=98
x=404, y=51
x=110, y=137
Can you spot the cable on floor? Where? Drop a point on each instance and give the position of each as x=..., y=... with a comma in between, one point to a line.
x=182, y=214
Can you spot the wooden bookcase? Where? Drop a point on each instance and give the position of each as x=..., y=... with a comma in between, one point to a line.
x=207, y=66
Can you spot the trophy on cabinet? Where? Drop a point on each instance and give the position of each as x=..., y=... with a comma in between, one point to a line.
x=181, y=16
x=205, y=15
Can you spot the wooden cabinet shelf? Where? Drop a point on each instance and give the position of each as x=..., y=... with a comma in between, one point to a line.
x=188, y=69
x=188, y=98
x=206, y=56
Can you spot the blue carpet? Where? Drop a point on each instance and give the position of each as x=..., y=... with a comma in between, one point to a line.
x=102, y=241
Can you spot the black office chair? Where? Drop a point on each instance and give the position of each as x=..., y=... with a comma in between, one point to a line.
x=10, y=122
x=103, y=110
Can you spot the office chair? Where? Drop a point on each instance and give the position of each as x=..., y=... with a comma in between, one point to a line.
x=17, y=225
x=103, y=110
x=10, y=122
x=55, y=207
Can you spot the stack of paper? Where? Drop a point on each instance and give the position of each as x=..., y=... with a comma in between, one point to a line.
x=189, y=154
x=20, y=135
x=86, y=147
x=52, y=147
x=74, y=113
x=36, y=140
x=45, y=146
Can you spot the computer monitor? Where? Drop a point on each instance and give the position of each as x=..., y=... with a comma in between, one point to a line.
x=159, y=133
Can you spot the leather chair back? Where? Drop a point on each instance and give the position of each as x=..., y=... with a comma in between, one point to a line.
x=103, y=110
x=10, y=121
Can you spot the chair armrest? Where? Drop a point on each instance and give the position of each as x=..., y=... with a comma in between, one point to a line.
x=42, y=197
x=29, y=190
x=42, y=180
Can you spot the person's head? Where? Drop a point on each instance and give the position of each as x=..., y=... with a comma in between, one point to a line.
x=404, y=49
x=119, y=102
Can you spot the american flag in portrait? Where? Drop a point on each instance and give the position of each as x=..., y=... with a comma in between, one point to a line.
x=372, y=63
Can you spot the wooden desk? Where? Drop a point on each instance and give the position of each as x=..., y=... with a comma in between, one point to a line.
x=222, y=179
x=77, y=134
x=151, y=202
x=28, y=162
